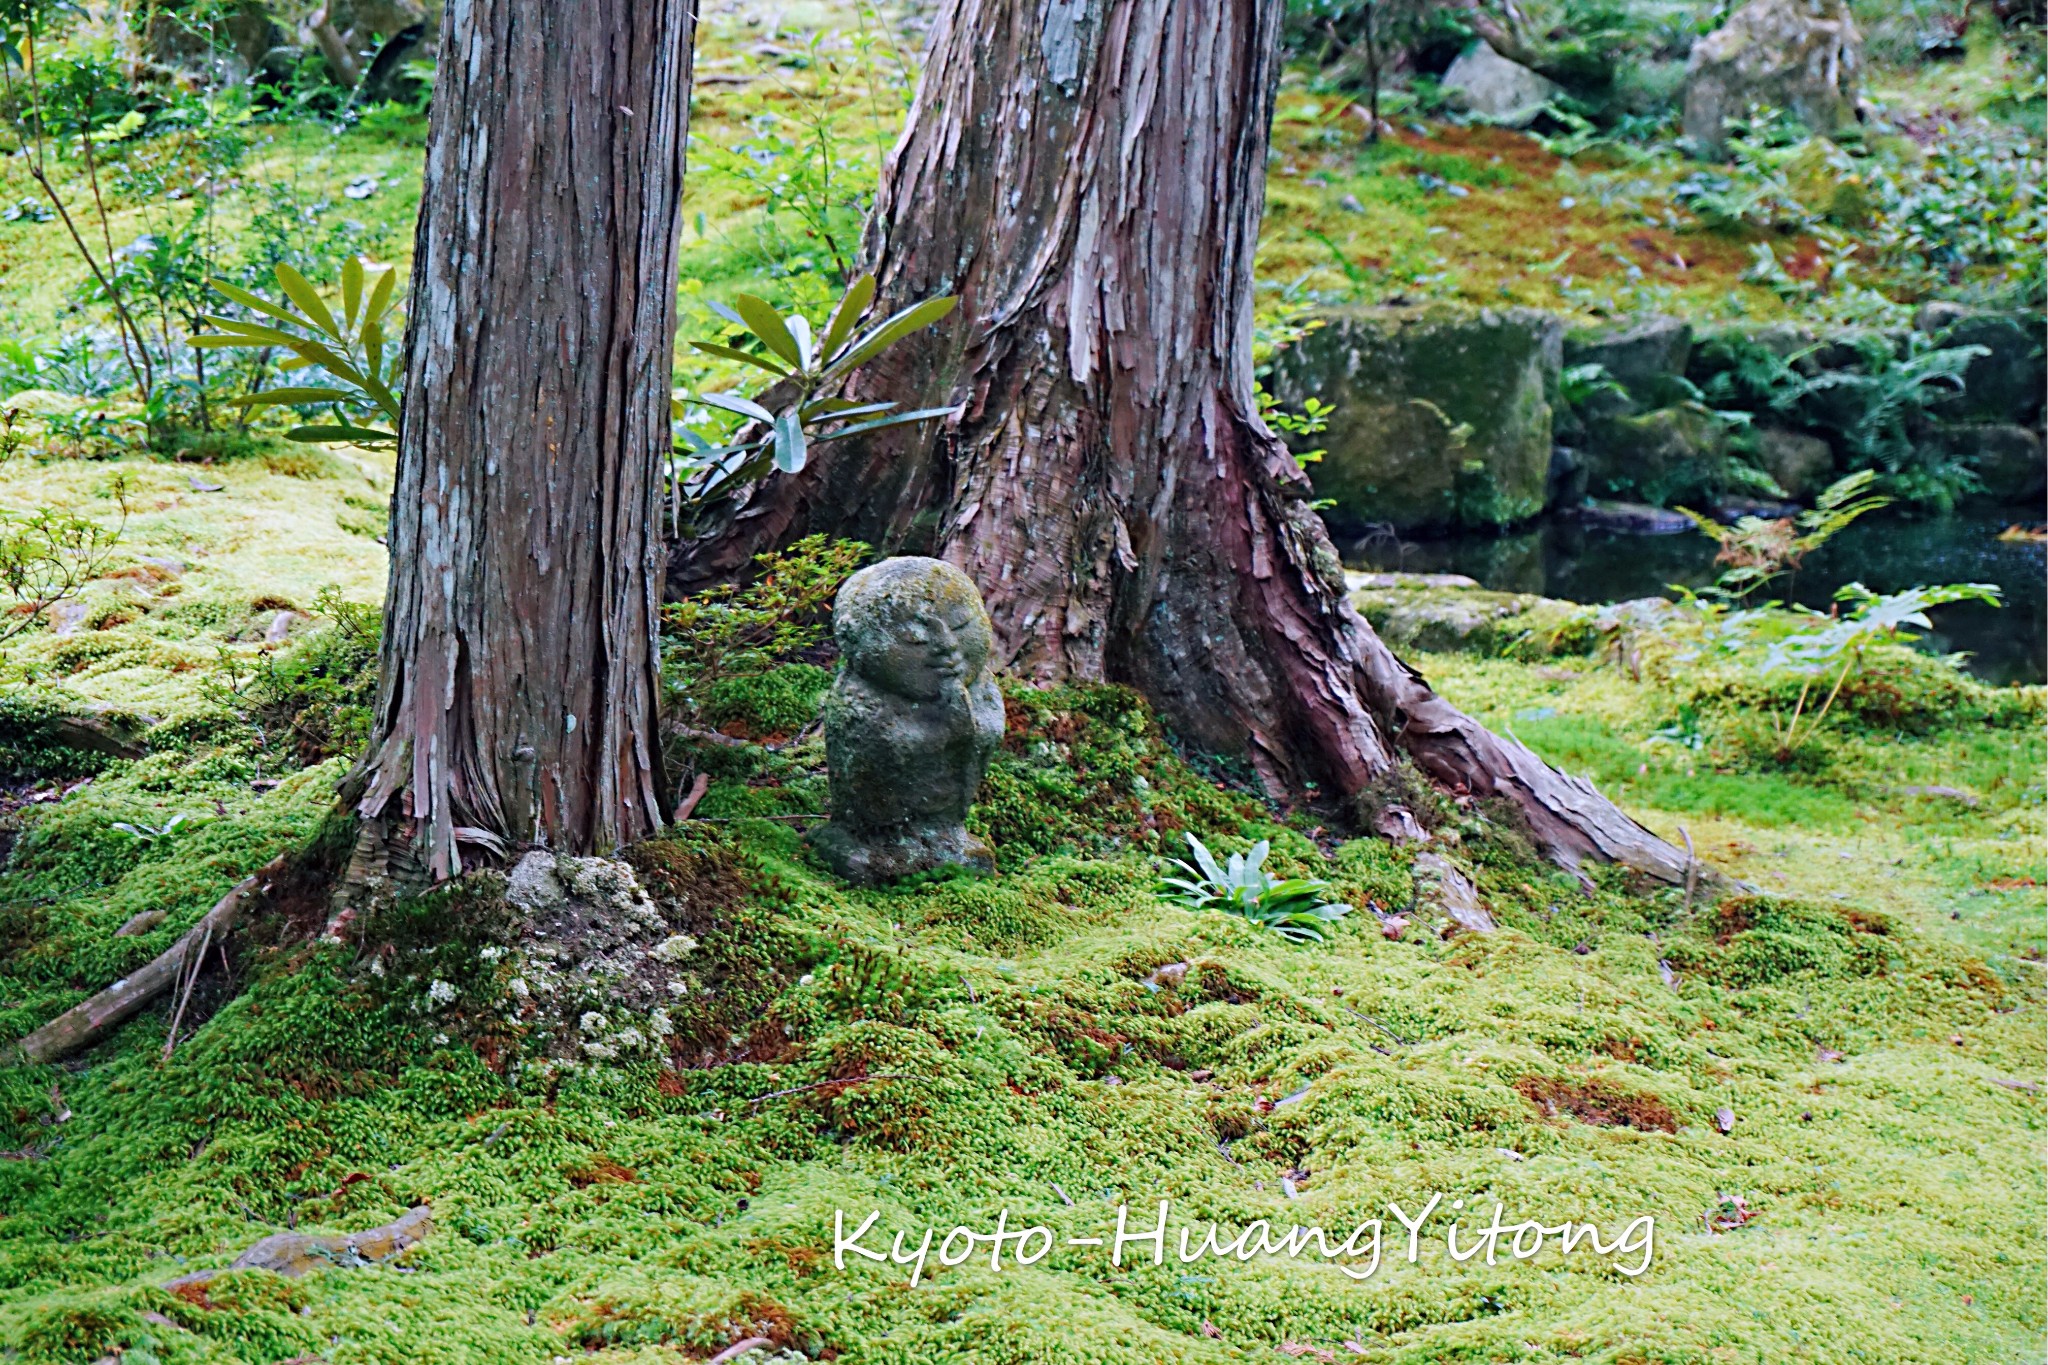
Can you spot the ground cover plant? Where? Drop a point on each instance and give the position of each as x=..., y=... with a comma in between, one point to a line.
x=1816, y=1061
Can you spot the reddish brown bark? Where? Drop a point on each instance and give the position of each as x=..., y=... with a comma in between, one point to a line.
x=1088, y=175
x=519, y=686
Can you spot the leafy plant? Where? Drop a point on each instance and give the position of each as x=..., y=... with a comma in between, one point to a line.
x=808, y=365
x=1298, y=909
x=1312, y=420
x=153, y=834
x=1873, y=619
x=1756, y=550
x=352, y=347
x=1888, y=398
x=49, y=555
x=1581, y=384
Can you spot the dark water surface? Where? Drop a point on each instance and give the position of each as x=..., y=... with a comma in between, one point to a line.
x=1559, y=558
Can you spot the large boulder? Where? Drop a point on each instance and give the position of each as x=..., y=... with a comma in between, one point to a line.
x=1803, y=56
x=1648, y=357
x=1497, y=89
x=2008, y=383
x=2009, y=461
x=1668, y=456
x=1798, y=463
x=1442, y=415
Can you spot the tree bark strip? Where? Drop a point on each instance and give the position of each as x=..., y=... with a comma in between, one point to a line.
x=1089, y=176
x=519, y=684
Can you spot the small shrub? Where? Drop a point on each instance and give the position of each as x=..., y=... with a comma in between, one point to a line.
x=1296, y=908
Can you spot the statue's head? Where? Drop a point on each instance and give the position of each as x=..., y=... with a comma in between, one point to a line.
x=913, y=627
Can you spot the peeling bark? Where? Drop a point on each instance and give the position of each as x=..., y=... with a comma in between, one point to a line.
x=1089, y=176
x=519, y=676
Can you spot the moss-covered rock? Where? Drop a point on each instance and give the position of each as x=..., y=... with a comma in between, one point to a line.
x=2010, y=380
x=1438, y=619
x=1442, y=414
x=1798, y=463
x=1667, y=456
x=1647, y=357
x=2009, y=461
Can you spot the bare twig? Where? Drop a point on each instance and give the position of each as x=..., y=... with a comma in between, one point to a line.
x=820, y=1085
x=190, y=972
x=85, y=1023
x=738, y=1349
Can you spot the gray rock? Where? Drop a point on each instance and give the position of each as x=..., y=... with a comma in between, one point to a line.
x=2009, y=460
x=1799, y=463
x=1475, y=621
x=1633, y=517
x=1409, y=580
x=1728, y=511
x=1442, y=414
x=911, y=722
x=1803, y=56
x=1671, y=455
x=2006, y=385
x=1495, y=88
x=1647, y=357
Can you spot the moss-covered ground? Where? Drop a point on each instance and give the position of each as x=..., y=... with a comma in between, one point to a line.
x=1871, y=1024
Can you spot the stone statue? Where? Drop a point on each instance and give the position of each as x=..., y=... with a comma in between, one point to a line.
x=911, y=721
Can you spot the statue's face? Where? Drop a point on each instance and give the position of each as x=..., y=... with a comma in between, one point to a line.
x=933, y=648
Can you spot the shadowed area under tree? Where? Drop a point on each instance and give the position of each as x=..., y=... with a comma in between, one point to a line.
x=1090, y=184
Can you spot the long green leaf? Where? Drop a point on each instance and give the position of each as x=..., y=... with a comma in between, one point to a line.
x=852, y=305
x=764, y=322
x=800, y=333
x=732, y=402
x=840, y=408
x=911, y=319
x=352, y=435
x=900, y=419
x=301, y=395
x=308, y=299
x=380, y=295
x=351, y=289
x=257, y=303
x=791, y=449
x=735, y=353
x=258, y=335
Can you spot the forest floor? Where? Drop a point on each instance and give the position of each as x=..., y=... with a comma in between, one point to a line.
x=1872, y=1034
x=1828, y=1098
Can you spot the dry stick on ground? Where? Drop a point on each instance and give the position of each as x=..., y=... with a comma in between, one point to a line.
x=86, y=1023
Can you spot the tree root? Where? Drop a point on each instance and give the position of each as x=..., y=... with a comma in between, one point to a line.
x=292, y=1254
x=86, y=1023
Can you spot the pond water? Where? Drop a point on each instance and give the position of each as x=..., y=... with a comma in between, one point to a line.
x=1560, y=558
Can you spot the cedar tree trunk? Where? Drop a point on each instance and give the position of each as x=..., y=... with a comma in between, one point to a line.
x=517, y=702
x=1088, y=175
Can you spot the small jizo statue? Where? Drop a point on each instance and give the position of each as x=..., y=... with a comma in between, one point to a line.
x=911, y=721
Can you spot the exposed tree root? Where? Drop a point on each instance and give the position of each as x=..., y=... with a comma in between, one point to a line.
x=292, y=1254
x=86, y=1023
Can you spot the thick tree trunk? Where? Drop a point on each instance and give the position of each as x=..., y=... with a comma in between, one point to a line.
x=517, y=704
x=1089, y=176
